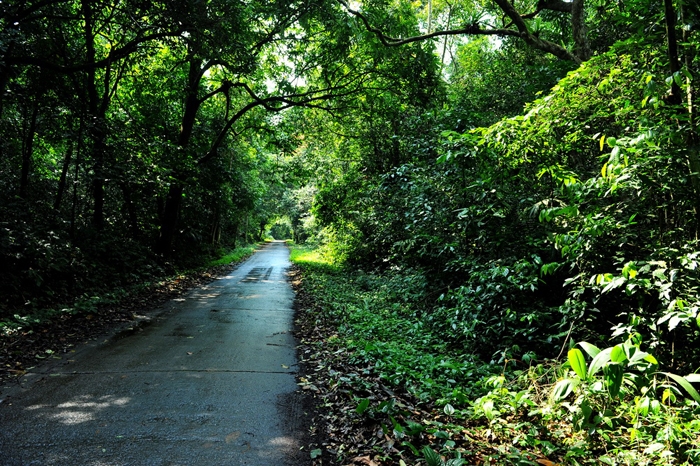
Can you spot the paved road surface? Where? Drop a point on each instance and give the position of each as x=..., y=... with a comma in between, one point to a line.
x=207, y=382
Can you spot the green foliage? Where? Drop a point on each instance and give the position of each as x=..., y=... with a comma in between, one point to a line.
x=235, y=255
x=612, y=405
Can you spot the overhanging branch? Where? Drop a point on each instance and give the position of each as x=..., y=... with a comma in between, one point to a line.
x=309, y=99
x=521, y=30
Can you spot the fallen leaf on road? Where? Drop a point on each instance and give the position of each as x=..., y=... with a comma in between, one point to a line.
x=232, y=436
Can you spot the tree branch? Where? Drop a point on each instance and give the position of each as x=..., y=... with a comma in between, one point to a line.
x=475, y=29
x=116, y=54
x=274, y=104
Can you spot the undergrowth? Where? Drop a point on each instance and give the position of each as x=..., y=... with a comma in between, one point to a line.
x=588, y=406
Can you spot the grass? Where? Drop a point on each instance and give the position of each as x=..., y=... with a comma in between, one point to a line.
x=235, y=255
x=312, y=258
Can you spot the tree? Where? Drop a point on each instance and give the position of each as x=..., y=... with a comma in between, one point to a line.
x=481, y=21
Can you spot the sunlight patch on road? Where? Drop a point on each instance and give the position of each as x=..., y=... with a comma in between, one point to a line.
x=80, y=409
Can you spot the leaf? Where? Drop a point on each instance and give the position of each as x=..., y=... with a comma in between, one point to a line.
x=613, y=379
x=411, y=446
x=362, y=406
x=431, y=457
x=654, y=447
x=578, y=363
x=600, y=360
x=449, y=409
x=685, y=384
x=233, y=436
x=316, y=453
x=602, y=143
x=643, y=406
x=618, y=354
x=562, y=389
x=673, y=322
x=488, y=410
x=592, y=350
x=655, y=406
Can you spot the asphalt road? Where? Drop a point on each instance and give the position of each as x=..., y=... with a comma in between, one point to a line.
x=209, y=380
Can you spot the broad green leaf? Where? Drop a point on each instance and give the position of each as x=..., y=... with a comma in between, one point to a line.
x=618, y=354
x=488, y=410
x=633, y=434
x=673, y=322
x=638, y=356
x=613, y=379
x=578, y=362
x=408, y=444
x=362, y=406
x=431, y=457
x=654, y=447
x=562, y=389
x=592, y=350
x=651, y=359
x=655, y=406
x=600, y=360
x=643, y=406
x=683, y=382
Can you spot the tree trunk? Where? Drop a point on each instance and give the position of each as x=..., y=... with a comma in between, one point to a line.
x=97, y=112
x=693, y=140
x=28, y=151
x=579, y=30
x=64, y=176
x=130, y=209
x=171, y=211
x=688, y=57
x=98, y=198
x=672, y=42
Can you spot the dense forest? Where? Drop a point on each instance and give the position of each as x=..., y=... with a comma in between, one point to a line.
x=512, y=188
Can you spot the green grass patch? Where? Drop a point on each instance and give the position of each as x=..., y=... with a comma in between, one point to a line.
x=236, y=255
x=312, y=258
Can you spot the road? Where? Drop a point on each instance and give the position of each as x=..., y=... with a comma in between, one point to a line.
x=208, y=381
